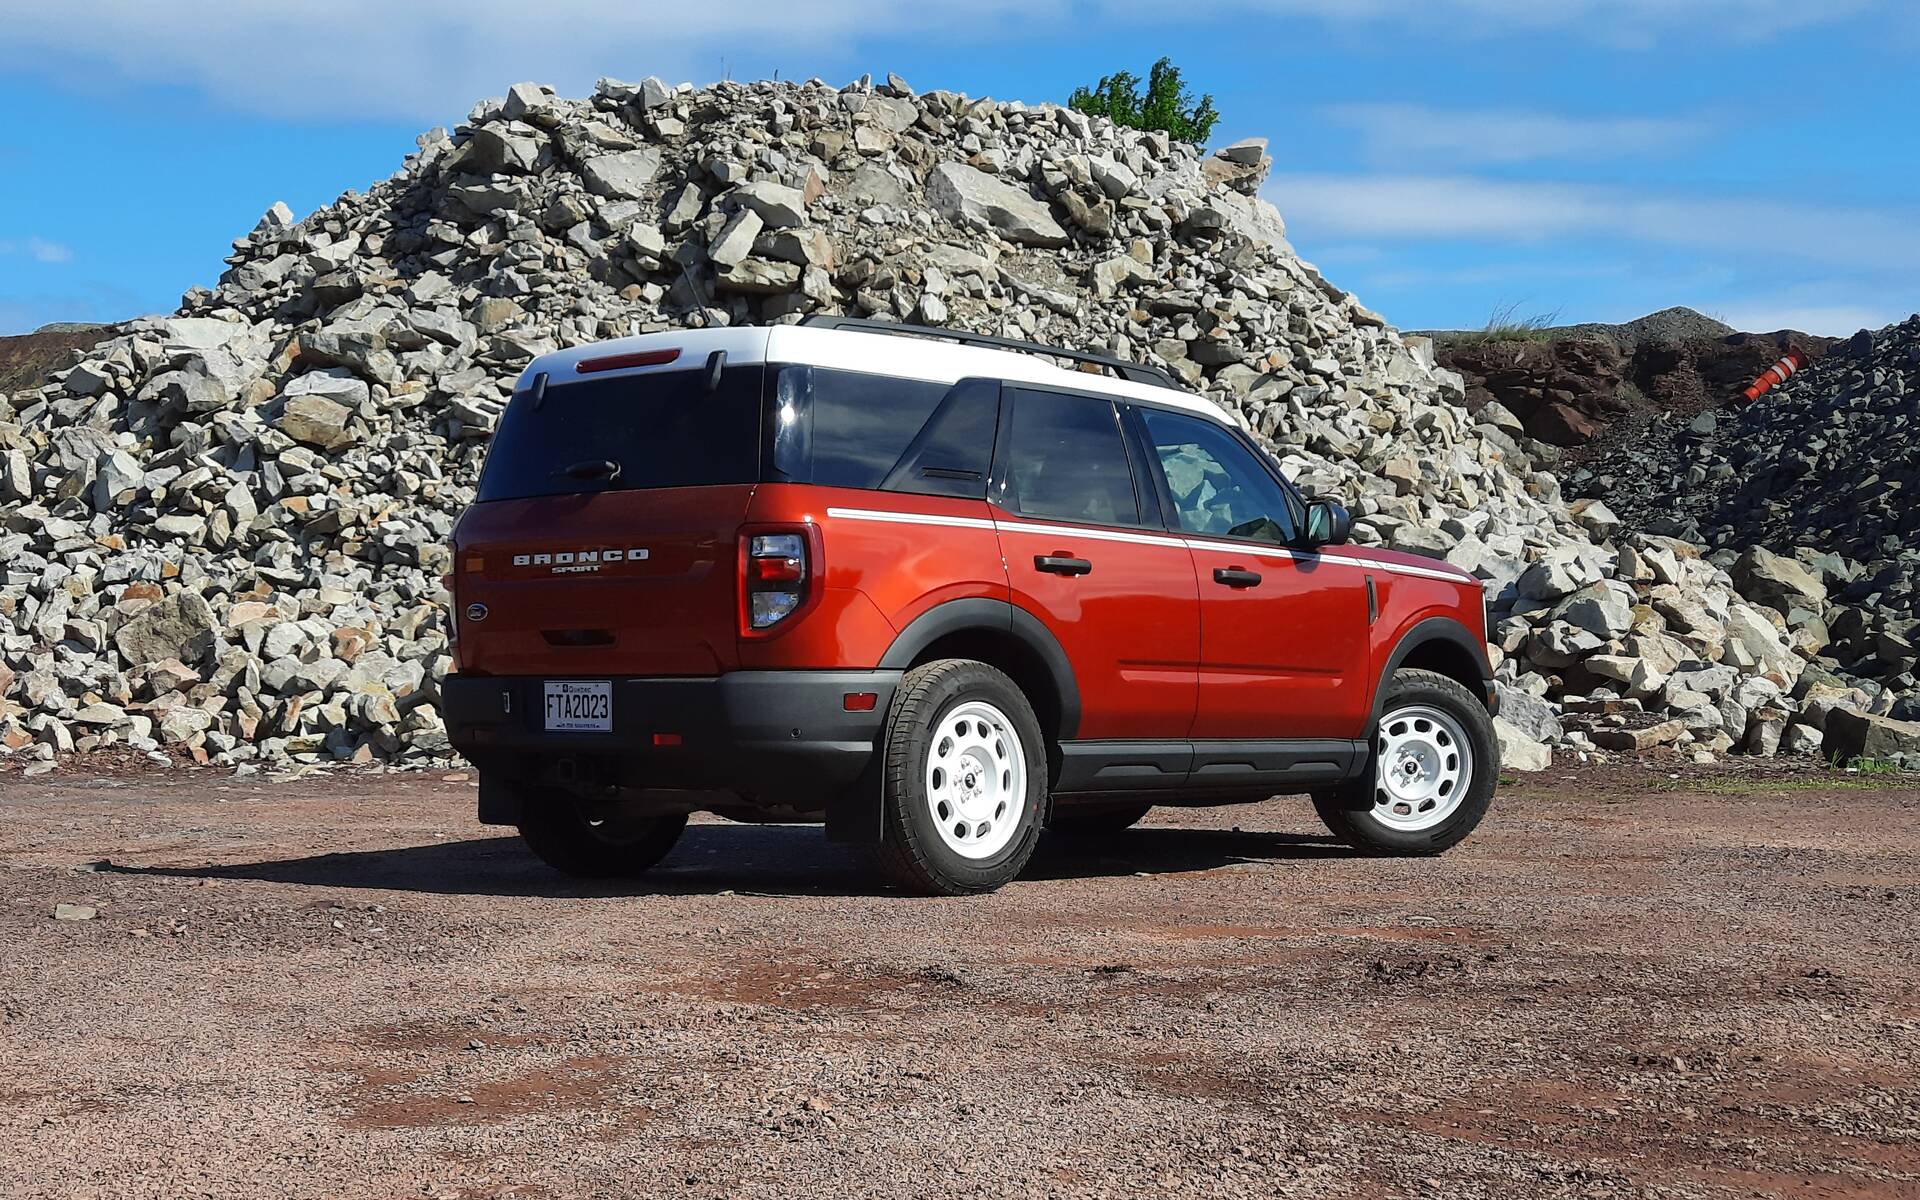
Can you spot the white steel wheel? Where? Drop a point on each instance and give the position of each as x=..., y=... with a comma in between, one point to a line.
x=1423, y=768
x=976, y=779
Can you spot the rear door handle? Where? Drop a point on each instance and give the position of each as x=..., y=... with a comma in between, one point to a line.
x=1061, y=564
x=1238, y=577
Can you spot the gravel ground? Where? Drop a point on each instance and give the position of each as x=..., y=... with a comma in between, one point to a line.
x=1625, y=985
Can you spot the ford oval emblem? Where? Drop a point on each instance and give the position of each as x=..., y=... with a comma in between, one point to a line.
x=476, y=612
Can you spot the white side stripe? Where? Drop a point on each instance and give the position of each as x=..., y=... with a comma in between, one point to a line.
x=907, y=518
x=1146, y=539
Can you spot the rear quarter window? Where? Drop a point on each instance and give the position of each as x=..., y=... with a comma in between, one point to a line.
x=854, y=430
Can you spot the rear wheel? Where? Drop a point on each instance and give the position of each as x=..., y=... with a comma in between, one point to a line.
x=1093, y=821
x=591, y=842
x=964, y=779
x=1431, y=774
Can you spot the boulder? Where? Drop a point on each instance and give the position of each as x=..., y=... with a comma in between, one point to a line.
x=315, y=421
x=968, y=196
x=179, y=626
x=622, y=176
x=1854, y=735
x=1518, y=752
x=1780, y=583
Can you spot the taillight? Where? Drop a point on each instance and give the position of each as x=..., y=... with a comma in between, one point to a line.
x=774, y=578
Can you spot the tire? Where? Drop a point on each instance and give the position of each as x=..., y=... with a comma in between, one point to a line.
x=1440, y=738
x=556, y=826
x=964, y=780
x=1097, y=820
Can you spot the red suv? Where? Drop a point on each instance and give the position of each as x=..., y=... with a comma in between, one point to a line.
x=939, y=592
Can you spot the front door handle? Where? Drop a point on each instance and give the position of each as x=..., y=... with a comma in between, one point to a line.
x=1238, y=577
x=1061, y=564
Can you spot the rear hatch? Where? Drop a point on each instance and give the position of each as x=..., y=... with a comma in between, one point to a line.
x=604, y=540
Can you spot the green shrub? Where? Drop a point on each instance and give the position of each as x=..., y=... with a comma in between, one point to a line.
x=1167, y=106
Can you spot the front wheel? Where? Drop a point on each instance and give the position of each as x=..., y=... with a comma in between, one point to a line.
x=965, y=780
x=1430, y=776
x=588, y=843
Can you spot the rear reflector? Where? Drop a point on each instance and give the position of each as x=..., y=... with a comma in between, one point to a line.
x=616, y=362
x=475, y=565
x=859, y=701
x=776, y=570
x=666, y=739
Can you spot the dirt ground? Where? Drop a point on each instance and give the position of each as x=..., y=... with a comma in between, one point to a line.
x=1624, y=985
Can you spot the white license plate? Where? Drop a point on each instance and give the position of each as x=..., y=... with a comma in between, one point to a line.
x=580, y=706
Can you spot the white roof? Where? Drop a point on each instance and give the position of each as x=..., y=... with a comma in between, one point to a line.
x=875, y=353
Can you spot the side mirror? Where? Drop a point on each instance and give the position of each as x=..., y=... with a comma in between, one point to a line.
x=1328, y=523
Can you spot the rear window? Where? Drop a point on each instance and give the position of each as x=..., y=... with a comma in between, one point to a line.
x=663, y=429
x=855, y=430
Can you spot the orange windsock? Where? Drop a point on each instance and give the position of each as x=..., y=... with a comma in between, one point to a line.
x=1775, y=375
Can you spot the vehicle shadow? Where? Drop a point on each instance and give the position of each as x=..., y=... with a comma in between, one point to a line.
x=747, y=859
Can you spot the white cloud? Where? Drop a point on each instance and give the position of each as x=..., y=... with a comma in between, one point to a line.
x=1416, y=207
x=1640, y=23
x=39, y=249
x=1417, y=133
x=429, y=60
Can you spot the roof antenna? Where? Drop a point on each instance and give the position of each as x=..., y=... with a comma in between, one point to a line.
x=539, y=391
x=716, y=362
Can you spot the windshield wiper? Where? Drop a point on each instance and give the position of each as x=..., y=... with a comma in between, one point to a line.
x=598, y=468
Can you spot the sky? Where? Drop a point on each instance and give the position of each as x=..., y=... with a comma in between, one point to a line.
x=1584, y=160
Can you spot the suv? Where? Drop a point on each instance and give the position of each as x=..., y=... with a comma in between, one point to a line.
x=939, y=592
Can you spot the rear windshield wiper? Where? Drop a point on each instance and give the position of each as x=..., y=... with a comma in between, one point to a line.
x=598, y=468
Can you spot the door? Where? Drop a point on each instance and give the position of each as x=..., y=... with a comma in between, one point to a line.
x=1118, y=595
x=603, y=540
x=1283, y=632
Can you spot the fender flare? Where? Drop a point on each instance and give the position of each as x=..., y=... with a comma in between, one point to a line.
x=994, y=616
x=1424, y=633
x=856, y=815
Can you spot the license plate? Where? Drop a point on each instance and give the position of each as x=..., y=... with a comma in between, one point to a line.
x=580, y=706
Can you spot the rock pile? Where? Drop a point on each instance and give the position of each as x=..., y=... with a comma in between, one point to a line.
x=223, y=530
x=1825, y=470
x=1596, y=386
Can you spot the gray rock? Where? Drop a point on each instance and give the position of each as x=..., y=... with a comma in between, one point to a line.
x=179, y=626
x=1531, y=715
x=735, y=240
x=623, y=176
x=1598, y=609
x=1246, y=151
x=778, y=205
x=968, y=196
x=1854, y=735
x=315, y=421
x=1801, y=740
x=1777, y=582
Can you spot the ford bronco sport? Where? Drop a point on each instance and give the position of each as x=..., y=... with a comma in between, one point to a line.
x=939, y=592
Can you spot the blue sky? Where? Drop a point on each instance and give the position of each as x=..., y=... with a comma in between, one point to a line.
x=1598, y=159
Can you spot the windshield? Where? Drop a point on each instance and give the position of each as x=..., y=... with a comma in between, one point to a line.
x=662, y=429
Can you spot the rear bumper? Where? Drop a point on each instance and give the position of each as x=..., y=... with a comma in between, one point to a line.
x=782, y=737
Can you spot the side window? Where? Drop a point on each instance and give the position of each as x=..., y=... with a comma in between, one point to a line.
x=1068, y=460
x=846, y=428
x=1218, y=486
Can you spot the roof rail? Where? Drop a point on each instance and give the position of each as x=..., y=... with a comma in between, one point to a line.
x=1136, y=372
